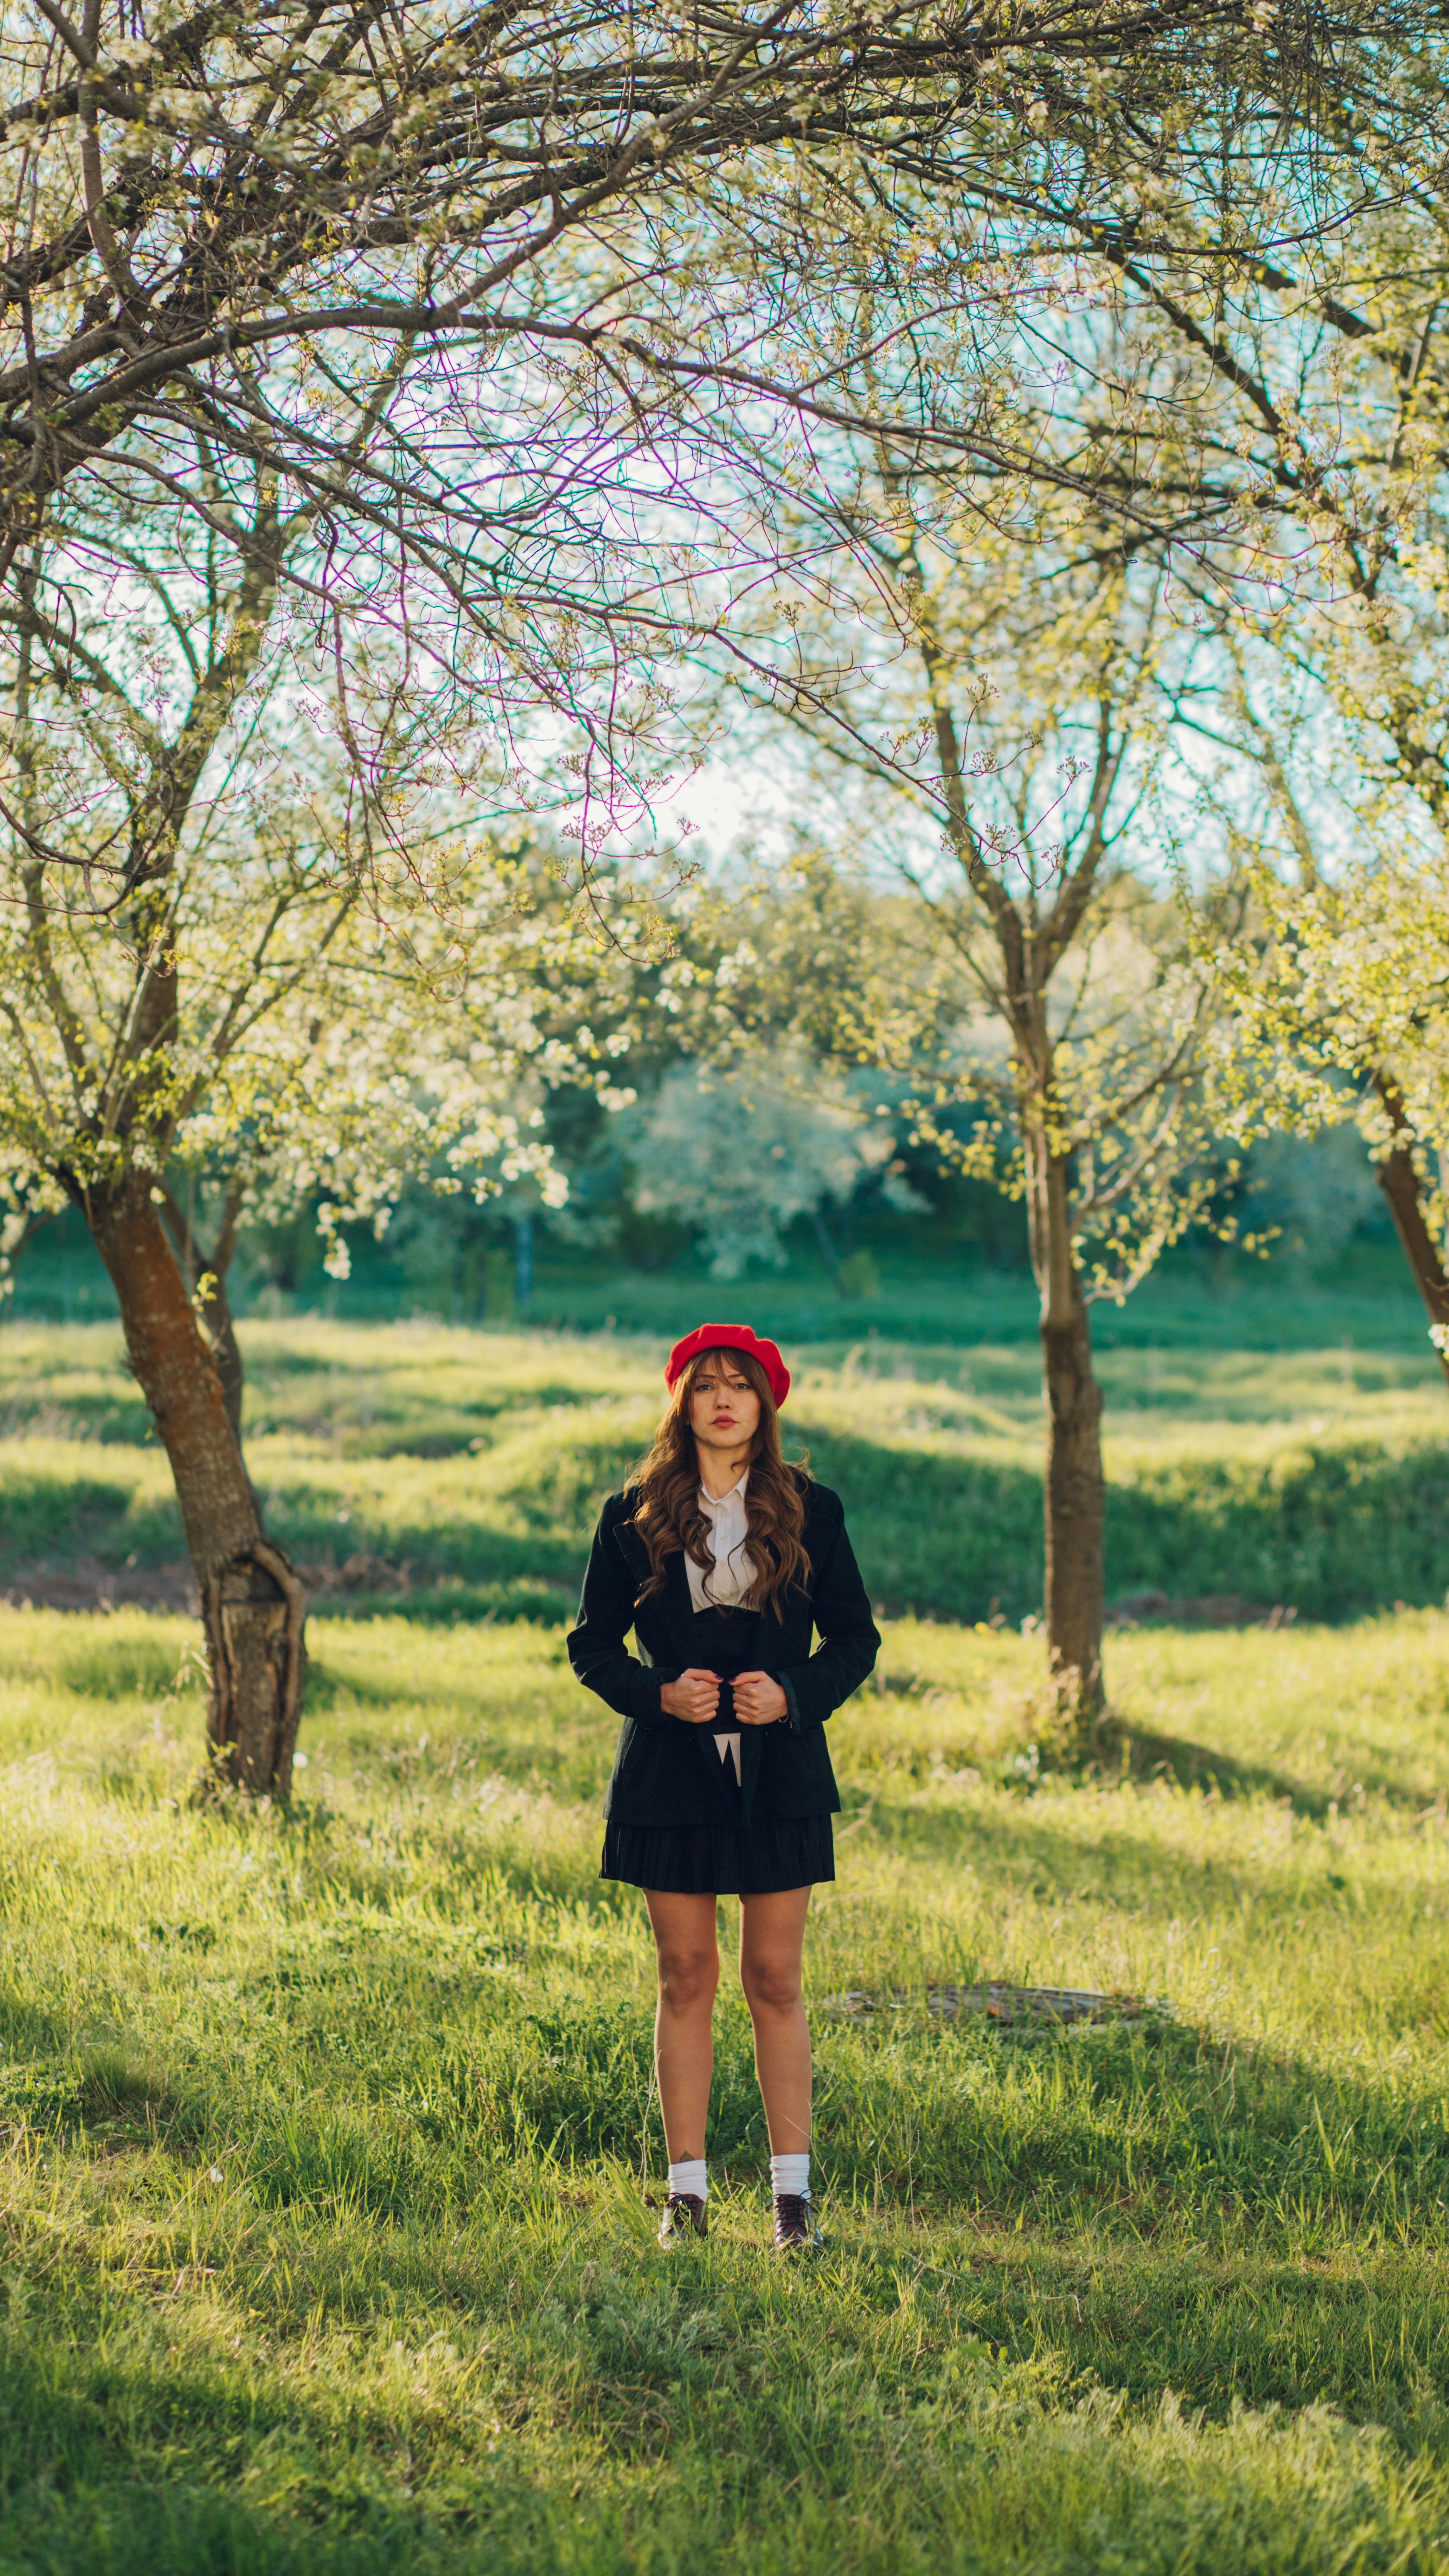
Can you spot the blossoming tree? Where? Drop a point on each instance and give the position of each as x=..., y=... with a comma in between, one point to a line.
x=200, y=966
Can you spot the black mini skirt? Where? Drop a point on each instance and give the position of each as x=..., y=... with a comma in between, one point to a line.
x=721, y=1860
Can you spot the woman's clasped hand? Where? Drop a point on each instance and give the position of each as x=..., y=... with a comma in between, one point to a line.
x=758, y=1698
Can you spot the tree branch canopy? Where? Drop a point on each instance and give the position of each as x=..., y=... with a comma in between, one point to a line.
x=511, y=300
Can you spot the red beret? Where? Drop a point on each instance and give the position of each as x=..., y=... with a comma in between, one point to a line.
x=730, y=1337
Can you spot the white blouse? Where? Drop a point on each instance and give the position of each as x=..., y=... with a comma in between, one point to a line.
x=733, y=1574
x=734, y=1570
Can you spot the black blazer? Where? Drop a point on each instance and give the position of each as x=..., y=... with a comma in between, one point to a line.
x=666, y=1771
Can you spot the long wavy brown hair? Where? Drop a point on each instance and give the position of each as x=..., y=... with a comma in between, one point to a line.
x=666, y=1486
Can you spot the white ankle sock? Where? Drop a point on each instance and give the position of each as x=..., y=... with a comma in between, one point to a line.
x=792, y=2174
x=691, y=2176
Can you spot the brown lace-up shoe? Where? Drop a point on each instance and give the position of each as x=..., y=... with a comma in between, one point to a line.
x=795, y=2228
x=684, y=2216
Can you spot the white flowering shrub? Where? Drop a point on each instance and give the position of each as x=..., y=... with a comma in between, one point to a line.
x=741, y=1155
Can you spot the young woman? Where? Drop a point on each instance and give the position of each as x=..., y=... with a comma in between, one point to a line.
x=722, y=1558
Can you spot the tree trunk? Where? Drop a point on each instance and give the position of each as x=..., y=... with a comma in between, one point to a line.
x=226, y=1353
x=252, y=1601
x=220, y=1323
x=828, y=1253
x=1075, y=1497
x=1399, y=1182
x=523, y=1258
x=1075, y=1512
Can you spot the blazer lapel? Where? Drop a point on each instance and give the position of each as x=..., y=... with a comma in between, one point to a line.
x=676, y=1606
x=670, y=1608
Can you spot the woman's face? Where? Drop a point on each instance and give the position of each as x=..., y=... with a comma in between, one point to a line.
x=724, y=1410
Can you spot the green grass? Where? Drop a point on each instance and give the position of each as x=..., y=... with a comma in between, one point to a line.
x=468, y=1466
x=322, y=2237
x=937, y=1293
x=930, y=1290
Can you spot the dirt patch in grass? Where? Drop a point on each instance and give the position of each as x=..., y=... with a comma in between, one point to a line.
x=84, y=1583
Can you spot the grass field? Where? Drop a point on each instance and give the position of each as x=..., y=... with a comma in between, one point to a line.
x=326, y=2140
x=468, y=1466
x=323, y=2236
x=929, y=1292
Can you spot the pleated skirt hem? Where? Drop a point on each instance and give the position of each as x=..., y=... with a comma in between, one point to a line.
x=720, y=1860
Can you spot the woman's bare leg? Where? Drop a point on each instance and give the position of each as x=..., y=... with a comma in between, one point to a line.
x=772, y=1936
x=684, y=1936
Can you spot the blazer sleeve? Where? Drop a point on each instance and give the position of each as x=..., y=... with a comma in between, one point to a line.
x=849, y=1639
x=606, y=1615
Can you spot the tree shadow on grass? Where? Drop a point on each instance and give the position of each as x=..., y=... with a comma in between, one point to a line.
x=1125, y=1749
x=1154, y=2141
x=1218, y=2329
x=1226, y=2252
x=1148, y=2131
x=137, y=2467
x=1145, y=1754
x=1122, y=1750
x=1020, y=1843
x=1334, y=1529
